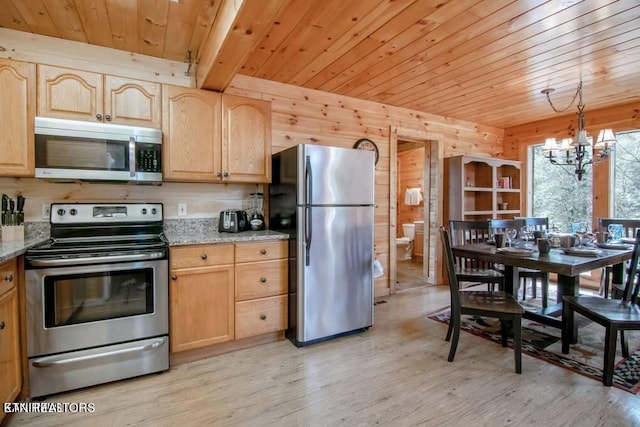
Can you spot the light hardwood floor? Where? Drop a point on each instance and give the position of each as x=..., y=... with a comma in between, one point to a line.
x=395, y=374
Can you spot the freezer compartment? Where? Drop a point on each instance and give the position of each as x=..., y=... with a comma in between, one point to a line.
x=333, y=293
x=334, y=176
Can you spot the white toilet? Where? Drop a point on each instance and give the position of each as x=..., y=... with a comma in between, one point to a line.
x=404, y=245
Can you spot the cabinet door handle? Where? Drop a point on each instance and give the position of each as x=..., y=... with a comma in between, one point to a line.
x=203, y=256
x=263, y=316
x=9, y=278
x=108, y=117
x=174, y=277
x=2, y=325
x=99, y=116
x=219, y=174
x=263, y=279
x=263, y=251
x=226, y=174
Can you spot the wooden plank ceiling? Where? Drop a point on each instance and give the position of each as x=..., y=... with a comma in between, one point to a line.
x=480, y=60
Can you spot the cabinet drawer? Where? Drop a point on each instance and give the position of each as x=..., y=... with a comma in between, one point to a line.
x=8, y=275
x=261, y=251
x=201, y=255
x=261, y=279
x=260, y=316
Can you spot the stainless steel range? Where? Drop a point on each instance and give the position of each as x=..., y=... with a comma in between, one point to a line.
x=97, y=297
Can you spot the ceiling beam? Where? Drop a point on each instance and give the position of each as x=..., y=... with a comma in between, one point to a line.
x=236, y=31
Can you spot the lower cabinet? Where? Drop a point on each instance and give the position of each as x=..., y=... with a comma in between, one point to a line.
x=225, y=292
x=201, y=295
x=10, y=368
x=261, y=288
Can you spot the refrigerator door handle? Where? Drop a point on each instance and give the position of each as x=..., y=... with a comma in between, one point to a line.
x=308, y=182
x=307, y=234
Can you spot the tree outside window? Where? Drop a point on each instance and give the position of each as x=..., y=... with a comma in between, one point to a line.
x=558, y=195
x=626, y=161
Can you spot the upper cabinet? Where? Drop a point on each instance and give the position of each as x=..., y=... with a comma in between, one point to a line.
x=17, y=103
x=192, y=137
x=213, y=137
x=246, y=139
x=81, y=95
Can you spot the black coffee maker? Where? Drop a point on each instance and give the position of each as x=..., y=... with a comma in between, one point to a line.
x=256, y=213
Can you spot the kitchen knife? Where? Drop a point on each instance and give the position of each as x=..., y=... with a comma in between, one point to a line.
x=5, y=205
x=12, y=206
x=20, y=209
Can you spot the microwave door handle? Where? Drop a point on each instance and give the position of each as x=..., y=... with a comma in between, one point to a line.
x=132, y=157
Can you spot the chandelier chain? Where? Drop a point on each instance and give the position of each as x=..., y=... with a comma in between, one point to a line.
x=578, y=92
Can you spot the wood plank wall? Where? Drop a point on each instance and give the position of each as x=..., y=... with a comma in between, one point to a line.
x=619, y=118
x=302, y=115
x=299, y=116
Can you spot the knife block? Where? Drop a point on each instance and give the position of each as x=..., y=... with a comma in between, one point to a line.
x=12, y=233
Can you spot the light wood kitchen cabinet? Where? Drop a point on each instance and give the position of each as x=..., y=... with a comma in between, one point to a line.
x=480, y=188
x=261, y=288
x=10, y=363
x=83, y=95
x=201, y=294
x=213, y=137
x=17, y=112
x=246, y=139
x=192, y=135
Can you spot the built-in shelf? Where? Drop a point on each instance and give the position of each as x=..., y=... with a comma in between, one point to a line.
x=477, y=186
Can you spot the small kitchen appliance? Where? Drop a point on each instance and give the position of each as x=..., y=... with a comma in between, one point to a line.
x=256, y=215
x=232, y=221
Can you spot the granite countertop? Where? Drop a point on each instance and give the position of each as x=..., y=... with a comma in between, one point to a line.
x=34, y=234
x=9, y=250
x=178, y=232
x=205, y=231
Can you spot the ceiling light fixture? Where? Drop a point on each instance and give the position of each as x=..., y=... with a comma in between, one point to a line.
x=573, y=151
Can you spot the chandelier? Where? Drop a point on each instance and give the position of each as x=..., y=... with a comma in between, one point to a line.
x=576, y=152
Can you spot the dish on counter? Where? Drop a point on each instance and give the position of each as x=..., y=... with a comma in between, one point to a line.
x=630, y=240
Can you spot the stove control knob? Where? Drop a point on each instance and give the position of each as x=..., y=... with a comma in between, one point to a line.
x=144, y=211
x=73, y=212
x=154, y=211
x=61, y=212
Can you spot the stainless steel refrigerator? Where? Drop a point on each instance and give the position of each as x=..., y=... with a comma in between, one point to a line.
x=323, y=197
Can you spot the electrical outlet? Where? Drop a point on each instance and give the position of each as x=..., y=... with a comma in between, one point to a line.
x=46, y=210
x=182, y=209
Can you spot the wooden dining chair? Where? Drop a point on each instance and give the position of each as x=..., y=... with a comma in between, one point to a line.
x=500, y=226
x=471, y=270
x=497, y=305
x=615, y=315
x=538, y=224
x=629, y=230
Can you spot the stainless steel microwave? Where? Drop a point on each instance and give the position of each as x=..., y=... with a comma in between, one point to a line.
x=69, y=150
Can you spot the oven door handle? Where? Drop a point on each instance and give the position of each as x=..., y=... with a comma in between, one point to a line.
x=49, y=361
x=95, y=259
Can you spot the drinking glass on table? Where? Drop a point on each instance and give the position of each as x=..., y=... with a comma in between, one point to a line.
x=581, y=233
x=512, y=233
x=527, y=234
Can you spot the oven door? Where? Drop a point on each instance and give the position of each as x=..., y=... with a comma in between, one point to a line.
x=85, y=306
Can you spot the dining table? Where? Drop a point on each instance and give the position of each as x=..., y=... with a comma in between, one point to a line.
x=568, y=268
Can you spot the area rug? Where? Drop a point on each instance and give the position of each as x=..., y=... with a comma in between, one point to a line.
x=585, y=357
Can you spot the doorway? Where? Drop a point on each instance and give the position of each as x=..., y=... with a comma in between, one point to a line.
x=412, y=163
x=429, y=208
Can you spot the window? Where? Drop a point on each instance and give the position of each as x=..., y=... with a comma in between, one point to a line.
x=557, y=194
x=626, y=164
